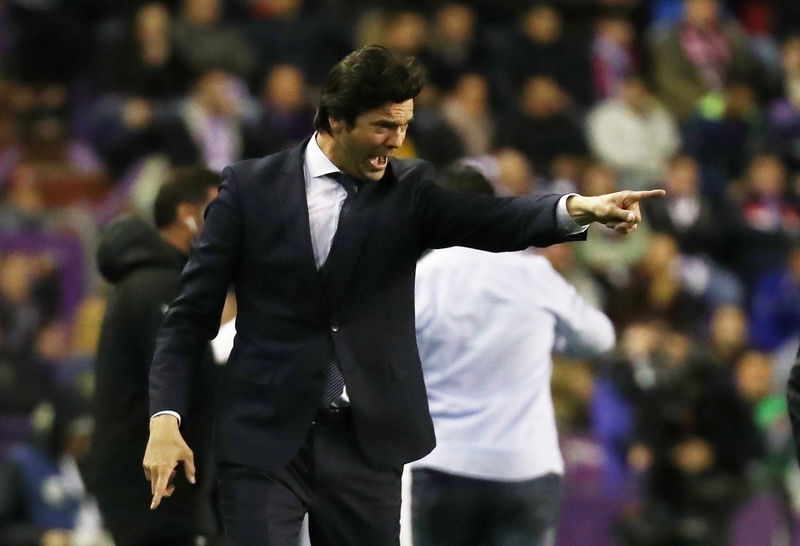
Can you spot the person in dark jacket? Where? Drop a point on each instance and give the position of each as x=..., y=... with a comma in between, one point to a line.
x=145, y=264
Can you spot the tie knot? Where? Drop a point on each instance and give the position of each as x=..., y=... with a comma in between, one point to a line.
x=348, y=182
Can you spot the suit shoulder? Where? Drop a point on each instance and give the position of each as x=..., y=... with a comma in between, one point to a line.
x=248, y=168
x=413, y=169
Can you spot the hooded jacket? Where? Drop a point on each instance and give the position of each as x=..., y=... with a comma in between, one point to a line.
x=145, y=271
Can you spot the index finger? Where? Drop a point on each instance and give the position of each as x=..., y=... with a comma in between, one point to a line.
x=161, y=483
x=647, y=194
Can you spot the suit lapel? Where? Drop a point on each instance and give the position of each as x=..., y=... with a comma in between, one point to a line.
x=348, y=241
x=291, y=194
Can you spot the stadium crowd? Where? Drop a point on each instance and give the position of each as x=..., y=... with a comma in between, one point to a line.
x=667, y=441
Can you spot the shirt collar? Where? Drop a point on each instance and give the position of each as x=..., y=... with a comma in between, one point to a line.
x=317, y=162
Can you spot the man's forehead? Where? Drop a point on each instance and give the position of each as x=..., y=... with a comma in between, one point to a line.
x=394, y=111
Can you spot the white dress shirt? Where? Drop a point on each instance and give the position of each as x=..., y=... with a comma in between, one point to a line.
x=325, y=196
x=486, y=326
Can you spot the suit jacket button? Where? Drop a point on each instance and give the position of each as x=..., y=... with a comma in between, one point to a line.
x=334, y=326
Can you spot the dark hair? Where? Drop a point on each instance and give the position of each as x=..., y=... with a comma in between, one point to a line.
x=366, y=79
x=465, y=179
x=183, y=185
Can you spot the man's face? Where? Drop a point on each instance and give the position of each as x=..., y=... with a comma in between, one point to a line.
x=363, y=149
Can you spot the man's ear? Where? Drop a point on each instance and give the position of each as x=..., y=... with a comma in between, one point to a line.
x=185, y=214
x=337, y=126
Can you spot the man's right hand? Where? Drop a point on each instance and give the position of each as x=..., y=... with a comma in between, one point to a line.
x=165, y=449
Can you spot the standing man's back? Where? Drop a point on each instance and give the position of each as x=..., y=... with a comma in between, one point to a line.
x=144, y=264
x=486, y=327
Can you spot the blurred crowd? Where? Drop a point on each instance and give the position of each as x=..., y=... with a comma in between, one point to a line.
x=699, y=97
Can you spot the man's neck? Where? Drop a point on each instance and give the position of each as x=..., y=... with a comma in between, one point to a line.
x=326, y=144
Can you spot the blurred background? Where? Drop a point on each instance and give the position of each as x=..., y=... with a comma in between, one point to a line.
x=681, y=436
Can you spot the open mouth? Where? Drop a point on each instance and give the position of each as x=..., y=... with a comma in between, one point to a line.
x=379, y=162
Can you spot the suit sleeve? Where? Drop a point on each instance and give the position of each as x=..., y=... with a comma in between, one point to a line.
x=446, y=218
x=793, y=399
x=193, y=317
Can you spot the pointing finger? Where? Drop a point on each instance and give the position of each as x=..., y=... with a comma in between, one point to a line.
x=648, y=194
x=162, y=481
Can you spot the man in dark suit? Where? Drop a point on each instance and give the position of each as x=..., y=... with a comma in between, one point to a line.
x=322, y=400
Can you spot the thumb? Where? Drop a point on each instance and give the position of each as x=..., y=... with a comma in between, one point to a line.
x=618, y=214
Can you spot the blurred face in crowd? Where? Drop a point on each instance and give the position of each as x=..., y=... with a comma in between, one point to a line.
x=662, y=253
x=542, y=24
x=635, y=94
x=682, y=177
x=472, y=93
x=217, y=92
x=597, y=180
x=794, y=261
x=753, y=374
x=767, y=176
x=455, y=23
x=515, y=171
x=285, y=88
x=739, y=100
x=617, y=30
x=276, y=8
x=728, y=326
x=405, y=32
x=542, y=96
x=152, y=22
x=364, y=149
x=701, y=13
x=790, y=55
x=202, y=12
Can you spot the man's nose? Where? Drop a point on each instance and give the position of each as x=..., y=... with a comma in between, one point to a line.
x=396, y=138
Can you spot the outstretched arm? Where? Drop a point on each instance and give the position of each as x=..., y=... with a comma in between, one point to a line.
x=619, y=211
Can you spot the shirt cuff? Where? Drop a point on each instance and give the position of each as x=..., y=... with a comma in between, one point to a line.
x=168, y=412
x=566, y=223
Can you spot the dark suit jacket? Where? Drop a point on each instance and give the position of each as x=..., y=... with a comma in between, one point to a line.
x=292, y=322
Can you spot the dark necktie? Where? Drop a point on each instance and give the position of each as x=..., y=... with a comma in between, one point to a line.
x=334, y=385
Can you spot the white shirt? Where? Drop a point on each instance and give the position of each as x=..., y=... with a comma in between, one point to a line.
x=486, y=326
x=325, y=196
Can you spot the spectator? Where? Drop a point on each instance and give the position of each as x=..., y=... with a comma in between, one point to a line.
x=783, y=122
x=540, y=47
x=205, y=42
x=775, y=306
x=143, y=62
x=697, y=56
x=286, y=114
x=613, y=57
x=723, y=134
x=770, y=218
x=145, y=265
x=455, y=46
x=467, y=110
x=208, y=127
x=289, y=32
x=694, y=437
x=729, y=336
x=633, y=133
x=544, y=126
x=43, y=499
